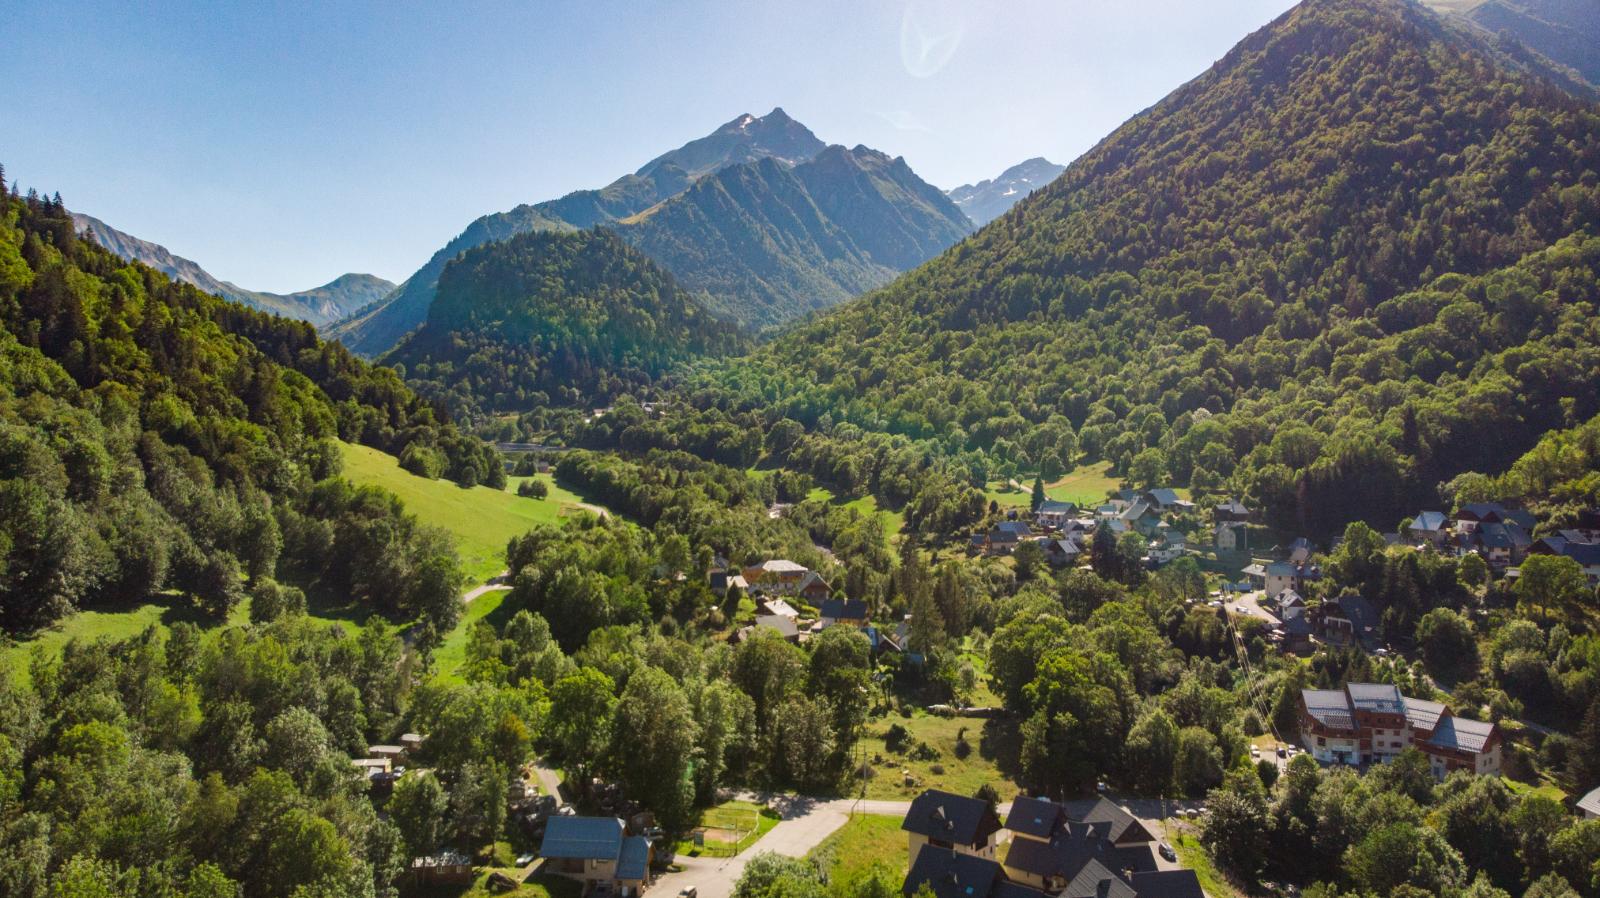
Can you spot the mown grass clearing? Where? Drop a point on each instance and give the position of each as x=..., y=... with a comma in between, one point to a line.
x=1086, y=486
x=482, y=520
x=92, y=624
x=893, y=521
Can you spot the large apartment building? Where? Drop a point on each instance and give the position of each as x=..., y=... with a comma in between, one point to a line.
x=1372, y=723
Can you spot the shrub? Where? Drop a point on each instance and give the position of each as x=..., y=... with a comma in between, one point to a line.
x=533, y=489
x=895, y=739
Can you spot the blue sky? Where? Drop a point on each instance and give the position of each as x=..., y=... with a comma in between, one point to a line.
x=282, y=144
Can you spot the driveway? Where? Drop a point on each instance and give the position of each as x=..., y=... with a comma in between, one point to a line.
x=1249, y=604
x=807, y=821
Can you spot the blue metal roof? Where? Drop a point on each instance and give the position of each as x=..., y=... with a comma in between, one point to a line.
x=582, y=838
x=635, y=858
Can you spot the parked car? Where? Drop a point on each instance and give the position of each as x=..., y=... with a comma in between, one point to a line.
x=689, y=892
x=524, y=860
x=1167, y=852
x=1282, y=751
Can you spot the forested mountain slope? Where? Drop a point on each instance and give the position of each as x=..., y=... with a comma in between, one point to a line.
x=1354, y=258
x=765, y=242
x=320, y=305
x=757, y=218
x=558, y=318
x=159, y=438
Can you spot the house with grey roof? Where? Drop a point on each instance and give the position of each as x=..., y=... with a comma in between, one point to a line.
x=1589, y=805
x=1052, y=513
x=1430, y=528
x=945, y=820
x=1074, y=849
x=1367, y=723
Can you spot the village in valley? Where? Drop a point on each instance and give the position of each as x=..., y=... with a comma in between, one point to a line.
x=1117, y=843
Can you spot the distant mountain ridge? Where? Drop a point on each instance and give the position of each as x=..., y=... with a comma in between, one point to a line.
x=319, y=305
x=763, y=242
x=740, y=217
x=1565, y=31
x=985, y=201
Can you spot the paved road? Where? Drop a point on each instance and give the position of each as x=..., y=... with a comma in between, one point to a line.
x=549, y=781
x=805, y=823
x=1250, y=604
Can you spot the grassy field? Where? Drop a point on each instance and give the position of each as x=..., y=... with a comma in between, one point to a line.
x=990, y=741
x=94, y=624
x=750, y=820
x=1086, y=485
x=893, y=521
x=1546, y=788
x=1192, y=855
x=452, y=650
x=482, y=520
x=868, y=845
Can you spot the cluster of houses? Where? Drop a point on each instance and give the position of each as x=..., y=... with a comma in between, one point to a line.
x=773, y=583
x=1074, y=849
x=386, y=763
x=1504, y=536
x=1372, y=723
x=1064, y=531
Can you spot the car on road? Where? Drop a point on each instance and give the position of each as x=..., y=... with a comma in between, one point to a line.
x=1255, y=751
x=1167, y=852
x=689, y=892
x=1282, y=753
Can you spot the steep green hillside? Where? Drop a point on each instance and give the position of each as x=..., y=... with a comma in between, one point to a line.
x=159, y=439
x=1356, y=257
x=548, y=317
x=481, y=519
x=763, y=243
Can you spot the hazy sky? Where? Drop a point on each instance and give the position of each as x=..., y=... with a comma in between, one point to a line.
x=282, y=144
